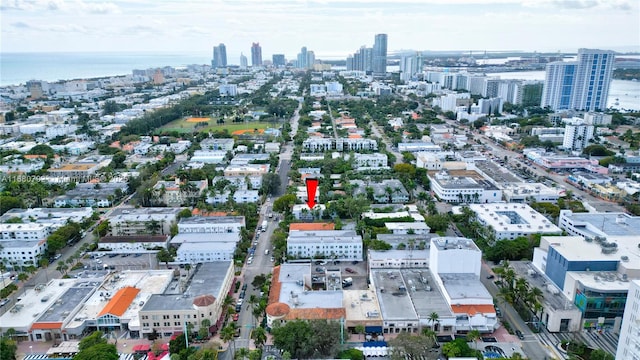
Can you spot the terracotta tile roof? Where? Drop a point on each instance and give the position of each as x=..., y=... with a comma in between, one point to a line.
x=120, y=302
x=355, y=136
x=316, y=314
x=473, y=309
x=311, y=226
x=277, y=309
x=46, y=326
x=276, y=285
x=35, y=156
x=415, y=116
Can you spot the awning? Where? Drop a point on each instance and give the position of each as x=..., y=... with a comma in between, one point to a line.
x=373, y=329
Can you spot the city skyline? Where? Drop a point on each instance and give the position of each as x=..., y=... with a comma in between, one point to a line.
x=284, y=26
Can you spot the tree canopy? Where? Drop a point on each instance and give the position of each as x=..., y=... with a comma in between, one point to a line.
x=308, y=339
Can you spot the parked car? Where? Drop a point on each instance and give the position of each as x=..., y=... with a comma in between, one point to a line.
x=237, y=334
x=242, y=294
x=350, y=270
x=273, y=259
x=319, y=269
x=520, y=334
x=4, y=302
x=491, y=276
x=236, y=317
x=244, y=287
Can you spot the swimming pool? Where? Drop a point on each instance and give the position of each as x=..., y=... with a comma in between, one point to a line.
x=493, y=352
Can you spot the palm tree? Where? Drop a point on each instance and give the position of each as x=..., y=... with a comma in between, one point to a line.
x=430, y=334
x=433, y=318
x=227, y=333
x=474, y=335
x=259, y=336
x=243, y=353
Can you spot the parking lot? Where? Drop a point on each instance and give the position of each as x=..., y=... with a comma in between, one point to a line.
x=358, y=272
x=113, y=261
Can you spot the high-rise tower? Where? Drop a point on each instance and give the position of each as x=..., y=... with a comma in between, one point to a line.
x=582, y=84
x=380, y=54
x=219, y=56
x=256, y=54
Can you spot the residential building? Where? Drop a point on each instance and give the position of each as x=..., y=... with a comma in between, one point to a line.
x=211, y=224
x=169, y=312
x=629, y=341
x=84, y=169
x=526, y=192
x=582, y=84
x=92, y=194
x=242, y=182
x=302, y=211
x=217, y=144
x=370, y=161
x=243, y=61
x=343, y=245
x=209, y=156
x=470, y=187
x=340, y=144
x=597, y=118
x=22, y=252
x=509, y=221
x=406, y=228
x=416, y=146
x=383, y=192
x=278, y=60
x=246, y=170
x=142, y=221
x=380, y=54
x=256, y=55
x=199, y=252
x=576, y=137
x=219, y=56
x=51, y=217
x=177, y=193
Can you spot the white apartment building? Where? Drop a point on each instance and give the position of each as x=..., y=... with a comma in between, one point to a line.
x=340, y=144
x=203, y=252
x=209, y=156
x=456, y=189
x=133, y=244
x=370, y=161
x=22, y=252
x=211, y=224
x=242, y=182
x=239, y=197
x=509, y=221
x=246, y=170
x=221, y=144
x=416, y=146
x=331, y=244
x=525, y=192
x=576, y=137
x=597, y=118
x=136, y=221
x=24, y=231
x=429, y=161
x=629, y=342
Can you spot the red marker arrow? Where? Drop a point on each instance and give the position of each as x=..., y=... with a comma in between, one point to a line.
x=312, y=187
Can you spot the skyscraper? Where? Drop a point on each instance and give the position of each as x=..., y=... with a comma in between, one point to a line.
x=302, y=59
x=219, y=56
x=410, y=65
x=278, y=60
x=582, y=84
x=256, y=54
x=243, y=61
x=380, y=54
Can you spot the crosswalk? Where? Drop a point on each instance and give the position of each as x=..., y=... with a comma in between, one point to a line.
x=606, y=341
x=45, y=357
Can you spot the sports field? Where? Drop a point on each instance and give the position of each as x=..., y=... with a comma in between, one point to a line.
x=189, y=125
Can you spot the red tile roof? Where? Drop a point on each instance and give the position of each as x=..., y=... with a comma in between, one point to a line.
x=46, y=326
x=473, y=309
x=311, y=226
x=276, y=285
x=316, y=314
x=120, y=302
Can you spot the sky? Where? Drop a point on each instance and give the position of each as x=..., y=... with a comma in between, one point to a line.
x=331, y=28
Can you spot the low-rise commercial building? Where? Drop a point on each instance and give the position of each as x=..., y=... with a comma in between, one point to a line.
x=133, y=244
x=463, y=186
x=143, y=221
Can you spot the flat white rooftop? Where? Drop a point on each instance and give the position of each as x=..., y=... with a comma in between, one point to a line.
x=576, y=248
x=512, y=217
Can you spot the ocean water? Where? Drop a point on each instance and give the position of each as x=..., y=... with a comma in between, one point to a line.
x=18, y=68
